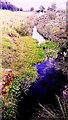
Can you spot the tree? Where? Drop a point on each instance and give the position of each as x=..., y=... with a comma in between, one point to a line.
x=49, y=8
x=41, y=8
x=32, y=9
x=53, y=6
x=21, y=9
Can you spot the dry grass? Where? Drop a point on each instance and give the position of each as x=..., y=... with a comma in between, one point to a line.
x=10, y=19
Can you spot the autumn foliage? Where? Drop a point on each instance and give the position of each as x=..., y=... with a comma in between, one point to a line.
x=7, y=80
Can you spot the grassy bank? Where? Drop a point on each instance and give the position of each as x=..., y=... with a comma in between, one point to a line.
x=20, y=52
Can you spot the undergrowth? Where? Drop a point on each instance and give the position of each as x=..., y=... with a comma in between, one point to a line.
x=51, y=48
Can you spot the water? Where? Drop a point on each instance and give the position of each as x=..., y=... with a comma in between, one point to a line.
x=47, y=84
x=49, y=81
x=37, y=36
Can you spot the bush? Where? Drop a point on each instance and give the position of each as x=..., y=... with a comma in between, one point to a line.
x=24, y=29
x=51, y=48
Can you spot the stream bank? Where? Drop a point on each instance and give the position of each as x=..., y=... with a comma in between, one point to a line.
x=49, y=81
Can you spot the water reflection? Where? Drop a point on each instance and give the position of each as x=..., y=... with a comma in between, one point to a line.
x=37, y=36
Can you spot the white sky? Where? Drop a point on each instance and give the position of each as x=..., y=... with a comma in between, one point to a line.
x=27, y=4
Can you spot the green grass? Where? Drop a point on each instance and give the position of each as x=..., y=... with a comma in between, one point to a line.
x=20, y=56
x=24, y=53
x=18, y=53
x=49, y=44
x=51, y=48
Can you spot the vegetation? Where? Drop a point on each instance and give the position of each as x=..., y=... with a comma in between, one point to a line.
x=32, y=9
x=5, y=5
x=20, y=56
x=51, y=48
x=63, y=63
x=41, y=8
x=20, y=52
x=49, y=112
x=23, y=53
x=24, y=29
x=49, y=26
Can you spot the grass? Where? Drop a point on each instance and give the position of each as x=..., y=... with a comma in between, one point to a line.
x=50, y=112
x=24, y=53
x=51, y=48
x=19, y=53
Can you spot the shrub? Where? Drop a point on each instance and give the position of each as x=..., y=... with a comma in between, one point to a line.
x=51, y=48
x=24, y=29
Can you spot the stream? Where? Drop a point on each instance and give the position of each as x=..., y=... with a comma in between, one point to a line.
x=37, y=36
x=48, y=83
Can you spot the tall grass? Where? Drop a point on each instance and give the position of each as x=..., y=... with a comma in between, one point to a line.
x=51, y=112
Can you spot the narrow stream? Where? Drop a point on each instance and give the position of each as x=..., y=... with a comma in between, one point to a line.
x=37, y=36
x=43, y=90
x=47, y=84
